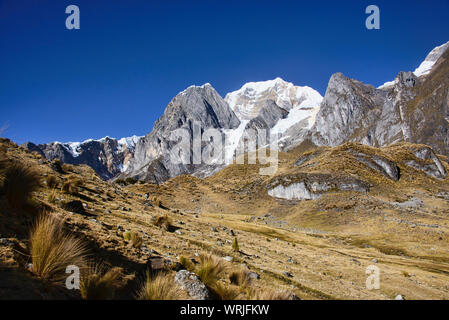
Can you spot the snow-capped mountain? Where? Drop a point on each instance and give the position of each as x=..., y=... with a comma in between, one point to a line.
x=426, y=66
x=301, y=105
x=248, y=100
x=107, y=156
x=414, y=107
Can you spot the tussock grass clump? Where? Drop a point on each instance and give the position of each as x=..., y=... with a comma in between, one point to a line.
x=99, y=284
x=52, y=196
x=159, y=287
x=225, y=292
x=52, y=250
x=210, y=269
x=19, y=182
x=56, y=165
x=51, y=181
x=71, y=186
x=187, y=263
x=240, y=278
x=134, y=238
x=163, y=222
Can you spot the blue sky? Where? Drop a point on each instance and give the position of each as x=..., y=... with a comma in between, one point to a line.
x=116, y=74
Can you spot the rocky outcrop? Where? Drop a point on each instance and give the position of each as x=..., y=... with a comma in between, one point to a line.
x=190, y=282
x=378, y=163
x=310, y=186
x=355, y=112
x=428, y=162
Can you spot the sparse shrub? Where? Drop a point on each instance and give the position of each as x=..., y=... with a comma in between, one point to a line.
x=164, y=222
x=52, y=250
x=99, y=284
x=120, y=182
x=159, y=287
x=210, y=269
x=130, y=180
x=405, y=274
x=235, y=245
x=51, y=181
x=19, y=182
x=56, y=165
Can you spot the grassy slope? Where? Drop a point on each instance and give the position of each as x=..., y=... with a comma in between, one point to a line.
x=326, y=244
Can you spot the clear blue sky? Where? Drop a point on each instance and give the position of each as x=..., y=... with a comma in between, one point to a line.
x=116, y=74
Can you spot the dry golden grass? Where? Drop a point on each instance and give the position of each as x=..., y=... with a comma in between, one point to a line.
x=19, y=182
x=51, y=181
x=159, y=287
x=163, y=221
x=186, y=263
x=99, y=284
x=52, y=250
x=240, y=278
x=52, y=196
x=134, y=238
x=226, y=292
x=270, y=294
x=235, y=245
x=71, y=185
x=210, y=269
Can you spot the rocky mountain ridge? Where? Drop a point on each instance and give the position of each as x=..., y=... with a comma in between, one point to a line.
x=350, y=111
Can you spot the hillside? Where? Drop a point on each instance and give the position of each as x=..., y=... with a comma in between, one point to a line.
x=347, y=207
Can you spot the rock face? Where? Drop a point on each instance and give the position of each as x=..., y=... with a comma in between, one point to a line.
x=310, y=186
x=411, y=109
x=381, y=164
x=194, y=110
x=190, y=282
x=353, y=111
x=428, y=162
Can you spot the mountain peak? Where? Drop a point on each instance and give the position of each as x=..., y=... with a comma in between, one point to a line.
x=426, y=66
x=248, y=100
x=428, y=63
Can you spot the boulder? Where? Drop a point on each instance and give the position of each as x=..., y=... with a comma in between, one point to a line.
x=190, y=282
